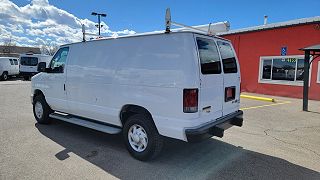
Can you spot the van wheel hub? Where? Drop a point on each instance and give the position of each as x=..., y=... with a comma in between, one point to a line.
x=138, y=138
x=38, y=109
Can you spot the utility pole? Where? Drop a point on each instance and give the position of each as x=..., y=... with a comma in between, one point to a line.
x=99, y=21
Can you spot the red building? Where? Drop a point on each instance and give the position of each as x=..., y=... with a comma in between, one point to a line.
x=270, y=59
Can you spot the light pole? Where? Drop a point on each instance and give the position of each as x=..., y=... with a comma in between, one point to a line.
x=99, y=21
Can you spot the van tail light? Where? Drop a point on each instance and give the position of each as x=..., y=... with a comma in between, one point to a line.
x=190, y=100
x=230, y=93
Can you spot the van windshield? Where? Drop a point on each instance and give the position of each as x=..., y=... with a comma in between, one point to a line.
x=209, y=56
x=228, y=58
x=29, y=61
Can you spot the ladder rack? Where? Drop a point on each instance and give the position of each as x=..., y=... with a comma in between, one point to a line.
x=211, y=29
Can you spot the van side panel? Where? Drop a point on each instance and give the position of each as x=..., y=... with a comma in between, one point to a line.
x=5, y=65
x=149, y=71
x=90, y=72
x=157, y=75
x=33, y=69
x=46, y=59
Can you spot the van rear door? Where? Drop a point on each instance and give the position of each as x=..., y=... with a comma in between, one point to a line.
x=211, y=78
x=231, y=73
x=28, y=64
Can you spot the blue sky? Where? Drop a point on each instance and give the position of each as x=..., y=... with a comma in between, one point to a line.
x=34, y=22
x=147, y=15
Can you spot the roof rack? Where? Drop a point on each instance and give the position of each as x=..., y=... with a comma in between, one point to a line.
x=84, y=33
x=211, y=29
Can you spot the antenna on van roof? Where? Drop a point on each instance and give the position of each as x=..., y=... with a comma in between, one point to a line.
x=213, y=28
x=83, y=33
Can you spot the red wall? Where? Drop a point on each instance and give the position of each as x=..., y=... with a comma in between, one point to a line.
x=251, y=45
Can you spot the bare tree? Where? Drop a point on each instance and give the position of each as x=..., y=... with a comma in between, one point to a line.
x=9, y=41
x=49, y=48
x=9, y=44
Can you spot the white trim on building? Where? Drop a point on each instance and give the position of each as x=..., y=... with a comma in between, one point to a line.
x=274, y=25
x=318, y=75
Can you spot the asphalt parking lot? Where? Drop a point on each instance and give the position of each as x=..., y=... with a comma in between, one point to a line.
x=277, y=141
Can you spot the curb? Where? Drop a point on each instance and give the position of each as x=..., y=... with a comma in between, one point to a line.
x=257, y=98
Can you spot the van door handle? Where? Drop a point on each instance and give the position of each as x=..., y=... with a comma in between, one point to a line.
x=64, y=87
x=206, y=109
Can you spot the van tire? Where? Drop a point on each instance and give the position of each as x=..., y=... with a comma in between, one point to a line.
x=26, y=78
x=46, y=110
x=4, y=76
x=155, y=140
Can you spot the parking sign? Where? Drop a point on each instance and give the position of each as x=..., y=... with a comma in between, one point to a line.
x=283, y=51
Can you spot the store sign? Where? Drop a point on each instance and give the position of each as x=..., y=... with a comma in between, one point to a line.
x=289, y=60
x=284, y=51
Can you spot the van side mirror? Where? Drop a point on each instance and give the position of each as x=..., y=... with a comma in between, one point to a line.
x=42, y=67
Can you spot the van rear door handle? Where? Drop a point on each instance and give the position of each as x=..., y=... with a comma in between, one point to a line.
x=206, y=109
x=64, y=87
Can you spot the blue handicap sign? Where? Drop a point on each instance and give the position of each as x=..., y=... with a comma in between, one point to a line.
x=283, y=51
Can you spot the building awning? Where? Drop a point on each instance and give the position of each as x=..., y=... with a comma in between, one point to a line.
x=315, y=48
x=314, y=51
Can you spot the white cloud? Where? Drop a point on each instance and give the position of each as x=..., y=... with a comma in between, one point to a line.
x=17, y=28
x=40, y=21
x=35, y=32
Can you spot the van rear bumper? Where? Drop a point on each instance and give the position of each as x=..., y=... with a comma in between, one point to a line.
x=27, y=73
x=215, y=128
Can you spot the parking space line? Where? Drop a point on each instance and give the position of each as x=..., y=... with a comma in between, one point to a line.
x=267, y=105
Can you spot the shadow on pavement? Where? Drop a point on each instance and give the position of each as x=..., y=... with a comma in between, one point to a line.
x=211, y=159
x=13, y=78
x=315, y=112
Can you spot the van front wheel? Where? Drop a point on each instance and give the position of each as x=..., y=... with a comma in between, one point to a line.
x=41, y=110
x=142, y=138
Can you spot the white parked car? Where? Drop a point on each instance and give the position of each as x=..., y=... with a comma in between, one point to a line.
x=9, y=66
x=182, y=85
x=29, y=64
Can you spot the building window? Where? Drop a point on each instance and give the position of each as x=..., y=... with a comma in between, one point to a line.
x=286, y=70
x=318, y=79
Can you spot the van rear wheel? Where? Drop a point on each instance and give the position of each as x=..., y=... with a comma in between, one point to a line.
x=41, y=110
x=4, y=76
x=26, y=78
x=141, y=137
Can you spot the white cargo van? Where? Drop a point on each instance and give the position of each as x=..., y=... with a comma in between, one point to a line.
x=182, y=85
x=9, y=66
x=29, y=64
